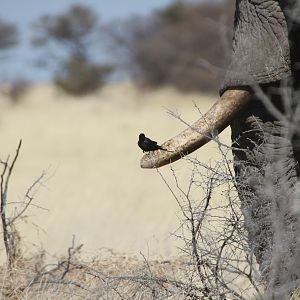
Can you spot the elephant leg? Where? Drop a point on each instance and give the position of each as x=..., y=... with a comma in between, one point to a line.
x=266, y=177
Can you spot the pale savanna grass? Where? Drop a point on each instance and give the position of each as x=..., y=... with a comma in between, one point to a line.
x=107, y=276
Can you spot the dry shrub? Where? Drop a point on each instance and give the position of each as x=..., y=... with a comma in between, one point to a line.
x=107, y=276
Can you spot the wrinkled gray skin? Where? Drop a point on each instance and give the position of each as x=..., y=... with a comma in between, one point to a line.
x=266, y=50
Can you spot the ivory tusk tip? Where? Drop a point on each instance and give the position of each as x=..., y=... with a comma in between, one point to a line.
x=150, y=160
x=158, y=158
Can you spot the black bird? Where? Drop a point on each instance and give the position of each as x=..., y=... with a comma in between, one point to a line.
x=148, y=145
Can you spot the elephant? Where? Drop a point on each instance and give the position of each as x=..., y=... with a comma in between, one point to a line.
x=259, y=100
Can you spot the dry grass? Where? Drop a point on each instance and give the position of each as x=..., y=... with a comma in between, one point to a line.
x=107, y=276
x=96, y=189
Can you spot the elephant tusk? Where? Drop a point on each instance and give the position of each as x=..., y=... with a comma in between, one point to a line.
x=202, y=131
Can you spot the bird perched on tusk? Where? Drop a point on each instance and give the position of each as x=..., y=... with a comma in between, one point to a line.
x=147, y=144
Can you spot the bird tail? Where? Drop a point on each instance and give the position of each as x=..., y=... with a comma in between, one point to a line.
x=161, y=148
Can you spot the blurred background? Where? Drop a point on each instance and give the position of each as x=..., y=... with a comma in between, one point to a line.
x=78, y=82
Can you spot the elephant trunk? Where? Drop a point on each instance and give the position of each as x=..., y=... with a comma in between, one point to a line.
x=202, y=131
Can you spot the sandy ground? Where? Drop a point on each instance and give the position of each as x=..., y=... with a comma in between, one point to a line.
x=95, y=188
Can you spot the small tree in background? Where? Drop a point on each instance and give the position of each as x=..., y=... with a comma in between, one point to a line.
x=14, y=88
x=184, y=44
x=73, y=35
x=78, y=76
x=8, y=35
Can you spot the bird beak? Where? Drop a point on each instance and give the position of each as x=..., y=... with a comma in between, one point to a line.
x=202, y=131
